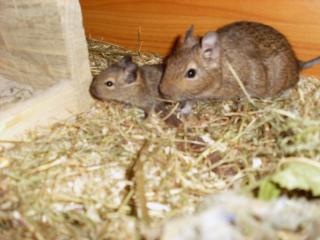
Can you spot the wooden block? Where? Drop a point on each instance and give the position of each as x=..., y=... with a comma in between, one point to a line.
x=33, y=36
x=162, y=21
x=43, y=45
x=59, y=102
x=42, y=42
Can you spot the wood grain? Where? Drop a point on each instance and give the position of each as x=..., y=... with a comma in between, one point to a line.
x=161, y=21
x=58, y=102
x=43, y=45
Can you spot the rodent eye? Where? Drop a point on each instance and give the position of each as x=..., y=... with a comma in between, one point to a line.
x=191, y=73
x=108, y=83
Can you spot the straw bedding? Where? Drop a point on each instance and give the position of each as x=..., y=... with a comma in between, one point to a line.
x=104, y=173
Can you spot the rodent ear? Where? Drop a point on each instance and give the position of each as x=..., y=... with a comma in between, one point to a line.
x=125, y=61
x=189, y=39
x=210, y=49
x=131, y=73
x=130, y=69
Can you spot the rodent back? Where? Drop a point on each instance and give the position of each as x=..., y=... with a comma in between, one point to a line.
x=256, y=39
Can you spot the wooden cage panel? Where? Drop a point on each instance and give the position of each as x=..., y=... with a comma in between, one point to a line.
x=42, y=44
x=160, y=21
x=33, y=43
x=76, y=49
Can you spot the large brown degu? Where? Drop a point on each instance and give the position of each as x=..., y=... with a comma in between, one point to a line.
x=128, y=83
x=260, y=56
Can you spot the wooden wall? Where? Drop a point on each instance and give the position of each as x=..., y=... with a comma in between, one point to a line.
x=160, y=21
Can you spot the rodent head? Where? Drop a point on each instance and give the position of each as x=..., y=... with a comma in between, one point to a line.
x=193, y=70
x=118, y=82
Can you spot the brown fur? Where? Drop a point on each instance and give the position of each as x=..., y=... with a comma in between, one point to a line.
x=261, y=56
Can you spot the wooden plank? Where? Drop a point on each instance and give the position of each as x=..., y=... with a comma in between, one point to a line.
x=42, y=42
x=34, y=44
x=161, y=21
x=59, y=102
x=43, y=45
x=76, y=50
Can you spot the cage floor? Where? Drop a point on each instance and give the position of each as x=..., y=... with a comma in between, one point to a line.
x=82, y=178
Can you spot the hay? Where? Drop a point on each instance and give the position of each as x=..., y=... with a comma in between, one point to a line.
x=82, y=178
x=102, y=55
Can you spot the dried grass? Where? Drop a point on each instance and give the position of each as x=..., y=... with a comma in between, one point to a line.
x=101, y=173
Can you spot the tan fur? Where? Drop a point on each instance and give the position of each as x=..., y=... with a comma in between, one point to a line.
x=260, y=55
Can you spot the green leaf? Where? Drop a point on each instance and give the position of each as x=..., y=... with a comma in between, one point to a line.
x=268, y=190
x=299, y=175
